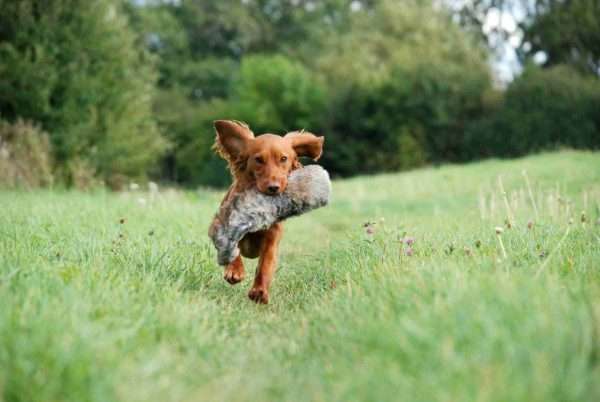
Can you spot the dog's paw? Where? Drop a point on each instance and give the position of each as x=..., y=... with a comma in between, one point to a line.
x=234, y=273
x=259, y=295
x=233, y=277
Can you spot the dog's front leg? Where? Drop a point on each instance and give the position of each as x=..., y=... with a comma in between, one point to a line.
x=234, y=272
x=266, y=264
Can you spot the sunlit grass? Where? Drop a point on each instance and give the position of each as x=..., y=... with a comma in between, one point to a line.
x=118, y=297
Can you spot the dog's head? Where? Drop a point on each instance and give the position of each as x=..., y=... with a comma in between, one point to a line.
x=265, y=160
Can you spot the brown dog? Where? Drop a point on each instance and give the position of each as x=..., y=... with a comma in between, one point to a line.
x=263, y=162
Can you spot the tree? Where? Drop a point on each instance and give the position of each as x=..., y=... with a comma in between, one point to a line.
x=201, y=47
x=567, y=32
x=404, y=81
x=73, y=67
x=563, y=31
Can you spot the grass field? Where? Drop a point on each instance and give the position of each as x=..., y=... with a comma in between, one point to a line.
x=107, y=297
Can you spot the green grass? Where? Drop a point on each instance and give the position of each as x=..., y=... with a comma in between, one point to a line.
x=92, y=309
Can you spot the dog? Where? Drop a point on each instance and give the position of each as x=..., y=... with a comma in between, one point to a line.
x=262, y=162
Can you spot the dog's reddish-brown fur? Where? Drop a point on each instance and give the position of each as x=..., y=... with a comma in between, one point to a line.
x=263, y=162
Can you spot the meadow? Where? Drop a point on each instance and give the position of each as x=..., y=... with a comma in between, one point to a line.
x=476, y=282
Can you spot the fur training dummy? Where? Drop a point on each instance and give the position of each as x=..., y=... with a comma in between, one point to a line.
x=251, y=211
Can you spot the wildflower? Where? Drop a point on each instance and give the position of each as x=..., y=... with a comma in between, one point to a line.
x=369, y=229
x=141, y=201
x=133, y=186
x=499, y=230
x=409, y=251
x=467, y=251
x=409, y=241
x=530, y=225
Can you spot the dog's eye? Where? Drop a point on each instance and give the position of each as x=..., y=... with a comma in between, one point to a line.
x=283, y=158
x=259, y=160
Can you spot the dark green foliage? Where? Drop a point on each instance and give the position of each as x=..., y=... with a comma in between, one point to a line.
x=391, y=85
x=568, y=32
x=194, y=162
x=209, y=69
x=277, y=95
x=542, y=109
x=404, y=83
x=274, y=93
x=72, y=66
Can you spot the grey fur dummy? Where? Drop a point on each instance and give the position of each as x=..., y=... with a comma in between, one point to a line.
x=308, y=188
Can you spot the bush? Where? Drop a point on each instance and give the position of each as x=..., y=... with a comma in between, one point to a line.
x=275, y=94
x=194, y=161
x=25, y=156
x=542, y=109
x=73, y=66
x=404, y=82
x=413, y=116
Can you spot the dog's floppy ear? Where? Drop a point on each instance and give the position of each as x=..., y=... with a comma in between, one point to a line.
x=232, y=137
x=306, y=144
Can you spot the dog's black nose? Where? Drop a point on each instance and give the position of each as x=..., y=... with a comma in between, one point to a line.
x=273, y=189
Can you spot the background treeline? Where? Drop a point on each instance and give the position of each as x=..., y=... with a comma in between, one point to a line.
x=107, y=90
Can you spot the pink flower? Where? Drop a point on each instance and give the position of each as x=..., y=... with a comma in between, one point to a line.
x=408, y=241
x=408, y=251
